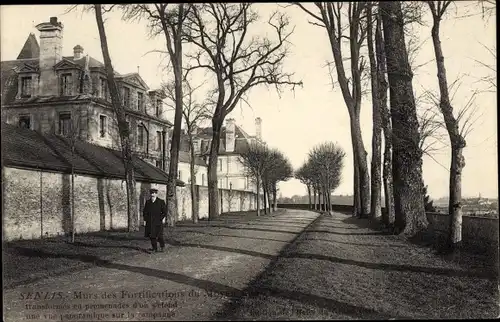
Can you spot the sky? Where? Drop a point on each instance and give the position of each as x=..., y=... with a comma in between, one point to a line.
x=297, y=120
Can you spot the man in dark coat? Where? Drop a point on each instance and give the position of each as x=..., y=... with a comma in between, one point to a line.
x=155, y=211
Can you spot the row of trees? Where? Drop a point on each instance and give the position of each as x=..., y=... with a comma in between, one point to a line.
x=322, y=173
x=379, y=28
x=267, y=167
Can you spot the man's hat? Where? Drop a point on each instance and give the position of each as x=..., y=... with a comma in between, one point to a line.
x=154, y=188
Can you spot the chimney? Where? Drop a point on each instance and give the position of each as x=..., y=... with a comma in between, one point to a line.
x=230, y=135
x=51, y=35
x=77, y=52
x=258, y=128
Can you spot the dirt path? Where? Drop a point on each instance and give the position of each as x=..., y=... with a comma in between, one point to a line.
x=190, y=281
x=342, y=269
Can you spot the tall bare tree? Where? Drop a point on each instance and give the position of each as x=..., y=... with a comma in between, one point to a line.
x=123, y=128
x=438, y=9
x=168, y=19
x=407, y=157
x=457, y=139
x=193, y=114
x=330, y=17
x=238, y=62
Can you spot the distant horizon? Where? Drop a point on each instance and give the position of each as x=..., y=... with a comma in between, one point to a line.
x=432, y=198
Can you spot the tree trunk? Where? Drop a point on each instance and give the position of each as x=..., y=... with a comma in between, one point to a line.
x=363, y=177
x=325, y=201
x=213, y=193
x=124, y=131
x=275, y=202
x=309, y=194
x=264, y=193
x=356, y=195
x=268, y=196
x=388, y=216
x=72, y=202
x=376, y=182
x=315, y=201
x=407, y=163
x=456, y=139
x=258, y=197
x=194, y=199
x=173, y=37
x=353, y=101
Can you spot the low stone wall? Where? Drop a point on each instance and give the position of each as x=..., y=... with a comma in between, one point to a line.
x=38, y=203
x=474, y=229
x=479, y=230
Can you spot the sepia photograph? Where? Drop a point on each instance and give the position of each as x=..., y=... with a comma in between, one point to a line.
x=249, y=161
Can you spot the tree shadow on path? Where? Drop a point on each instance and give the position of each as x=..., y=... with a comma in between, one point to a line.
x=401, y=268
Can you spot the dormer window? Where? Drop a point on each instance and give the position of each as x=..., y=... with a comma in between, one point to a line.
x=65, y=124
x=126, y=97
x=26, y=86
x=66, y=85
x=158, y=108
x=103, y=90
x=140, y=101
x=140, y=136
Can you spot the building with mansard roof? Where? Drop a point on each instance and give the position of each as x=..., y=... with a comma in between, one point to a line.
x=234, y=140
x=54, y=94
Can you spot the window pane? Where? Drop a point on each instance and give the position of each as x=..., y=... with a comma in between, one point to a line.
x=158, y=140
x=102, y=120
x=140, y=100
x=64, y=123
x=66, y=85
x=140, y=135
x=26, y=86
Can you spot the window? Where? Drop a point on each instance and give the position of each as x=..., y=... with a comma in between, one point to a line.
x=26, y=86
x=140, y=135
x=140, y=101
x=126, y=97
x=66, y=85
x=158, y=140
x=158, y=164
x=65, y=124
x=158, y=108
x=202, y=179
x=228, y=164
x=102, y=125
x=25, y=121
x=103, y=90
x=220, y=164
x=196, y=146
x=219, y=183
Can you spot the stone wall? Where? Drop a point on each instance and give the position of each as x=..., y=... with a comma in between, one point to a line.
x=479, y=231
x=38, y=203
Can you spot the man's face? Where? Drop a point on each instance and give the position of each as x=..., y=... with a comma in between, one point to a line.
x=153, y=194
